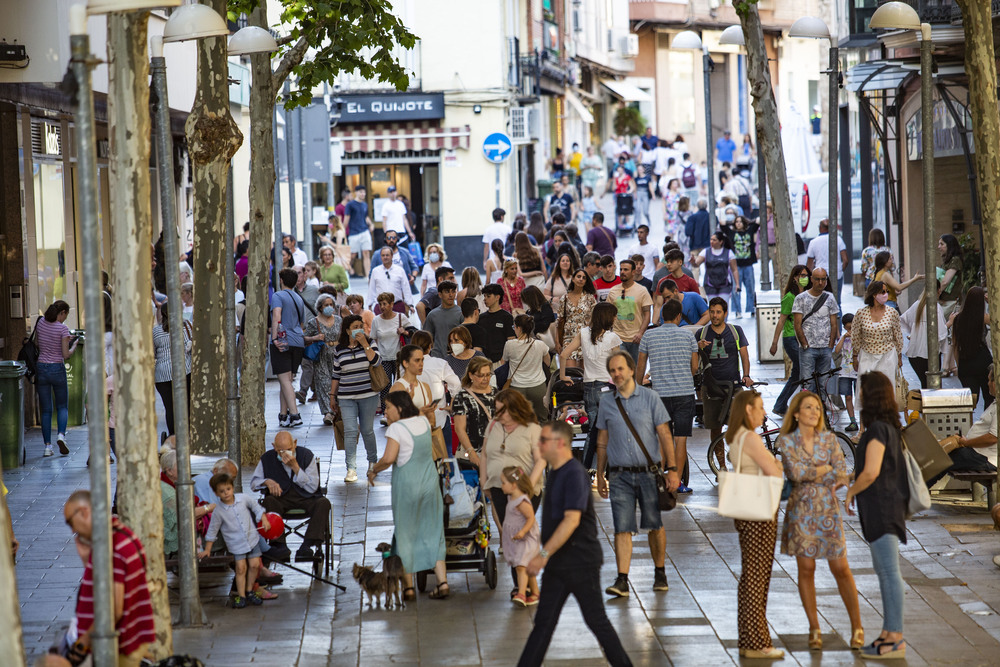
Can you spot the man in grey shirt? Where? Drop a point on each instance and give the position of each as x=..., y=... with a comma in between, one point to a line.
x=815, y=316
x=443, y=319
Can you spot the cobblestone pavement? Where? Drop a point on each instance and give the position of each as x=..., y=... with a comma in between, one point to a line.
x=952, y=587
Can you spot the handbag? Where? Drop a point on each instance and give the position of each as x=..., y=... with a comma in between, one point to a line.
x=379, y=378
x=513, y=311
x=666, y=499
x=462, y=505
x=748, y=497
x=506, y=385
x=920, y=495
x=313, y=350
x=338, y=430
x=902, y=390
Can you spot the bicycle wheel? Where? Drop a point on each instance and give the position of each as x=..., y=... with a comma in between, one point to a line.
x=848, y=449
x=718, y=453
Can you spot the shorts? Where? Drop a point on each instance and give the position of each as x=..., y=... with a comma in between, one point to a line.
x=626, y=489
x=845, y=386
x=254, y=553
x=715, y=411
x=287, y=361
x=681, y=411
x=360, y=242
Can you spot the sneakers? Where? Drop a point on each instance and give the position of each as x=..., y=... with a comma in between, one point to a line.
x=660, y=582
x=282, y=420
x=255, y=599
x=61, y=441
x=48, y=451
x=520, y=600
x=619, y=588
x=531, y=600
x=682, y=488
x=238, y=602
x=352, y=475
x=294, y=420
x=853, y=426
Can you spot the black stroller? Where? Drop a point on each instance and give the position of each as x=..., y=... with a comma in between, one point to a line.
x=624, y=209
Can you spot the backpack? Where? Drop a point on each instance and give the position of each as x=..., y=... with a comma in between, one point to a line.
x=29, y=352
x=688, y=177
x=714, y=388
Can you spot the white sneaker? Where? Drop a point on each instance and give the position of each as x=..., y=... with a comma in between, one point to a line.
x=61, y=441
x=48, y=451
x=352, y=475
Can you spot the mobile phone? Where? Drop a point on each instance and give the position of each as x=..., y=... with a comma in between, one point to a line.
x=434, y=403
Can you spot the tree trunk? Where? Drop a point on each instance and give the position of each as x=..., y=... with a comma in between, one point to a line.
x=11, y=636
x=213, y=139
x=139, y=502
x=769, y=150
x=980, y=65
x=262, y=95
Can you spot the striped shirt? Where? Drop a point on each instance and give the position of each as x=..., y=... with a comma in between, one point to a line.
x=48, y=337
x=669, y=349
x=162, y=372
x=350, y=369
x=135, y=627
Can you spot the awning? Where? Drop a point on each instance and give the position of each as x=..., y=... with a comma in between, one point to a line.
x=412, y=136
x=625, y=90
x=876, y=75
x=575, y=102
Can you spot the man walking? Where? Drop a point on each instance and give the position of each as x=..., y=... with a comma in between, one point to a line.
x=391, y=278
x=497, y=231
x=440, y=321
x=818, y=254
x=724, y=345
x=634, y=304
x=497, y=324
x=698, y=230
x=599, y=239
x=299, y=257
x=359, y=229
x=394, y=216
x=647, y=250
x=694, y=310
x=815, y=317
x=632, y=419
x=570, y=553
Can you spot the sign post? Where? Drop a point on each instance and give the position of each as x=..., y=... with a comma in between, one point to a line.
x=497, y=148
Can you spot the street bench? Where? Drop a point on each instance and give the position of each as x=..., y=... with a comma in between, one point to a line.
x=987, y=479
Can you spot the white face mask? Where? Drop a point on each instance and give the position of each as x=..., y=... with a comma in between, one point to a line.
x=457, y=348
x=434, y=257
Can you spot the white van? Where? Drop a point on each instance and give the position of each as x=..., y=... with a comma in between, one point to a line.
x=810, y=199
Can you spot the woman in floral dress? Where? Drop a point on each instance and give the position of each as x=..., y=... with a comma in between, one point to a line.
x=575, y=313
x=671, y=212
x=324, y=327
x=813, y=528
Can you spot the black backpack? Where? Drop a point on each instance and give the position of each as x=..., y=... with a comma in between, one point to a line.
x=29, y=352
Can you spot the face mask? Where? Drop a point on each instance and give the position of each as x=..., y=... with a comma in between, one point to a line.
x=434, y=257
x=328, y=311
x=357, y=332
x=882, y=298
x=804, y=281
x=730, y=217
x=457, y=348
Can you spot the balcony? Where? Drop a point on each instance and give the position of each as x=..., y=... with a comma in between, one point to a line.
x=932, y=11
x=408, y=58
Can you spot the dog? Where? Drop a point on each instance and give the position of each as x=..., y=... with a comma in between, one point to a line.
x=392, y=568
x=371, y=582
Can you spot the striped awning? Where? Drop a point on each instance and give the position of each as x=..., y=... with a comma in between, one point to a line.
x=408, y=136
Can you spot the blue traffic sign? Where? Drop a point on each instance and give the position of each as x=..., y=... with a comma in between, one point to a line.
x=497, y=147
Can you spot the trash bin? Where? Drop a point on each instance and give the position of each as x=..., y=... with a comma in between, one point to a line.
x=544, y=187
x=12, y=413
x=947, y=411
x=768, y=313
x=76, y=384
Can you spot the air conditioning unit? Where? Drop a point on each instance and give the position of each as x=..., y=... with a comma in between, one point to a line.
x=629, y=46
x=524, y=123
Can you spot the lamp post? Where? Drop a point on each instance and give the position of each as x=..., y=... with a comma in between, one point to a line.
x=900, y=16
x=809, y=27
x=690, y=41
x=187, y=22
x=733, y=36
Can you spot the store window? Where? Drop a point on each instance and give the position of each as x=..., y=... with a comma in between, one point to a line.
x=50, y=233
x=682, y=91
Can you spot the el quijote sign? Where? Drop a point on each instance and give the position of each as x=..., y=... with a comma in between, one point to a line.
x=391, y=107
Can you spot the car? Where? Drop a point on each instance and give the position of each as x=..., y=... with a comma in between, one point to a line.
x=810, y=200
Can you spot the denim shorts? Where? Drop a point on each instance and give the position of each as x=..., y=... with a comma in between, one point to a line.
x=628, y=489
x=845, y=386
x=681, y=411
x=254, y=553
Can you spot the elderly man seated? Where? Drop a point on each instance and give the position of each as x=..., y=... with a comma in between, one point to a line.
x=290, y=475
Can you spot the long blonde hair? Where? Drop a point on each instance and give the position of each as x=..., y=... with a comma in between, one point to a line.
x=738, y=413
x=791, y=422
x=471, y=282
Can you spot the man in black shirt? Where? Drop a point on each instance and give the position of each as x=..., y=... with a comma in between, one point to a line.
x=498, y=326
x=570, y=553
x=470, y=320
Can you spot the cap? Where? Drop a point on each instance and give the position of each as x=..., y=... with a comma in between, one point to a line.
x=391, y=188
x=359, y=187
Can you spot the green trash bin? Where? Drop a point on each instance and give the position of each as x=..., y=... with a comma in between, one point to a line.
x=76, y=385
x=544, y=188
x=12, y=413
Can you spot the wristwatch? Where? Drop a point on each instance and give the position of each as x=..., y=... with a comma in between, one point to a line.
x=543, y=553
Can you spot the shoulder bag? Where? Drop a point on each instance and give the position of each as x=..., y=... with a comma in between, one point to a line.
x=506, y=385
x=513, y=311
x=666, y=499
x=379, y=378
x=748, y=497
x=29, y=351
x=816, y=306
x=920, y=495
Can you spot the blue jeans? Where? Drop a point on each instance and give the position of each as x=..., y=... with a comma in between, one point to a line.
x=632, y=349
x=816, y=359
x=885, y=560
x=591, y=402
x=791, y=345
x=641, y=208
x=745, y=274
x=359, y=411
x=51, y=379
x=840, y=287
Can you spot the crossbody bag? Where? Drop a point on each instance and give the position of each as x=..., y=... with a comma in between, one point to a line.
x=506, y=385
x=665, y=498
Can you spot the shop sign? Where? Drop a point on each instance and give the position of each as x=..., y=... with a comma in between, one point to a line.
x=393, y=106
x=947, y=133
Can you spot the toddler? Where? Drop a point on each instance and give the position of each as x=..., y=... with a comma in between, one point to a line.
x=520, y=534
x=311, y=270
x=588, y=206
x=848, y=374
x=234, y=516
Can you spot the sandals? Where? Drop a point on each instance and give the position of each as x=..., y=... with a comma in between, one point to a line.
x=815, y=640
x=883, y=650
x=858, y=639
x=770, y=653
x=440, y=592
x=409, y=594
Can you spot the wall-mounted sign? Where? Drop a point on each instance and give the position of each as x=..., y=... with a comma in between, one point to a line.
x=947, y=133
x=391, y=106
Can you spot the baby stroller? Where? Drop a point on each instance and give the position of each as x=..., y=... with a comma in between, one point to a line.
x=624, y=208
x=466, y=525
x=564, y=397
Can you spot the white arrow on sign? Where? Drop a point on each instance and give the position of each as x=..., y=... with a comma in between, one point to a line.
x=500, y=147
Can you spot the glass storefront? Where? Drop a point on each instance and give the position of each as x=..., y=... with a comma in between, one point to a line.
x=50, y=234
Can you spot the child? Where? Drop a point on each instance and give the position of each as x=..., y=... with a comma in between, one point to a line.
x=848, y=374
x=520, y=535
x=588, y=206
x=234, y=516
x=311, y=270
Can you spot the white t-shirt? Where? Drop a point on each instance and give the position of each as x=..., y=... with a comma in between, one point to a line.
x=819, y=251
x=438, y=373
x=649, y=254
x=428, y=273
x=529, y=372
x=403, y=432
x=987, y=423
x=384, y=332
x=394, y=216
x=497, y=230
x=299, y=257
x=595, y=357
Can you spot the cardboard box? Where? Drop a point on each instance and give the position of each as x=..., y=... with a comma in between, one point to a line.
x=924, y=445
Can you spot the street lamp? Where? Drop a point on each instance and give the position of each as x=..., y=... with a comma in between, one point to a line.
x=194, y=22
x=809, y=27
x=689, y=40
x=900, y=16
x=250, y=40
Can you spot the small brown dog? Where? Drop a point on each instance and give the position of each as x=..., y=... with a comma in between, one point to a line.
x=371, y=582
x=392, y=568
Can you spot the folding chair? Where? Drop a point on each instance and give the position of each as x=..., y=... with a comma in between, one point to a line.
x=296, y=523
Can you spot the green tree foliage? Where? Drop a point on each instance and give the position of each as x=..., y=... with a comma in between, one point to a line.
x=628, y=121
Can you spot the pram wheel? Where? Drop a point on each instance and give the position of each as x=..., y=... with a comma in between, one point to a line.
x=421, y=581
x=490, y=569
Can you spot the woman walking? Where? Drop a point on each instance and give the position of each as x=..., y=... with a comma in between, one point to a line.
x=417, y=505
x=798, y=281
x=721, y=273
x=950, y=288
x=596, y=342
x=530, y=261
x=324, y=328
x=914, y=326
x=512, y=284
x=575, y=313
x=757, y=538
x=972, y=347
x=537, y=307
x=876, y=244
x=527, y=357
x=559, y=282
x=882, y=495
x=55, y=345
x=163, y=371
x=460, y=350
x=473, y=407
x=434, y=258
x=813, y=527
x=877, y=336
x=331, y=273
x=387, y=327
x=351, y=391
x=884, y=265
x=495, y=264
x=472, y=288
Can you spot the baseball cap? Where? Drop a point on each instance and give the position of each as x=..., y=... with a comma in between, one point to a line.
x=391, y=188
